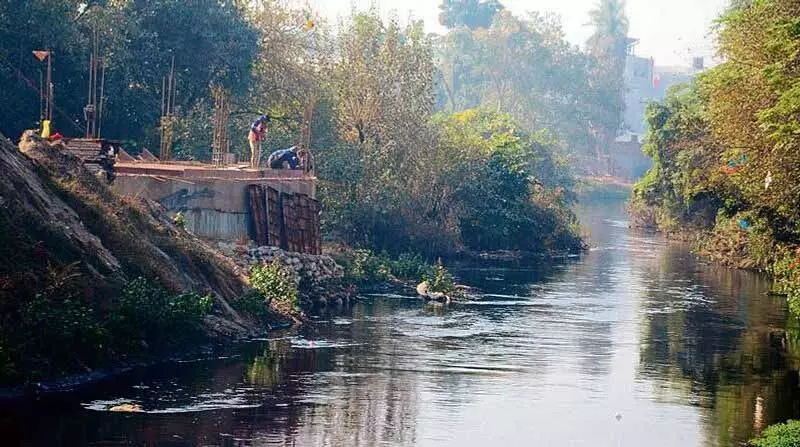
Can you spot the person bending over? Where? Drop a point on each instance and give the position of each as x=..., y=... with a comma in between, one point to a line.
x=284, y=158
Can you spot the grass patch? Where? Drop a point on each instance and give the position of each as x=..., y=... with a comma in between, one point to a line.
x=779, y=435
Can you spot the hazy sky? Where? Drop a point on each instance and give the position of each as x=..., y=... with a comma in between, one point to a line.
x=671, y=31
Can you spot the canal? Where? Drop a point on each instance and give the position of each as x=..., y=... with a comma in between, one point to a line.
x=635, y=343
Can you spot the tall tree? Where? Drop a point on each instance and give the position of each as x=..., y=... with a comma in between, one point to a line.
x=609, y=41
x=608, y=44
x=211, y=41
x=470, y=13
x=39, y=25
x=525, y=67
x=754, y=107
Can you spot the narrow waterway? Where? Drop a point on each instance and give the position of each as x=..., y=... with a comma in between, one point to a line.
x=636, y=343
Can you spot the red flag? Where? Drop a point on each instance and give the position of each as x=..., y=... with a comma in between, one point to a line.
x=41, y=55
x=656, y=81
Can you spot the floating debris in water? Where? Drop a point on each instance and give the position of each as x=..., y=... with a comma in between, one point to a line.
x=116, y=405
x=127, y=408
x=302, y=343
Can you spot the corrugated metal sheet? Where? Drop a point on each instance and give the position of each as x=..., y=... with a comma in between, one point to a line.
x=217, y=225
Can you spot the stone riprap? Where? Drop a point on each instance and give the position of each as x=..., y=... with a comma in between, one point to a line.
x=314, y=269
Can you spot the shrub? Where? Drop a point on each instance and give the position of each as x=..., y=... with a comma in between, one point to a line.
x=51, y=322
x=57, y=331
x=410, y=267
x=441, y=281
x=179, y=220
x=147, y=312
x=252, y=303
x=274, y=282
x=480, y=184
x=33, y=343
x=779, y=435
x=364, y=267
x=787, y=280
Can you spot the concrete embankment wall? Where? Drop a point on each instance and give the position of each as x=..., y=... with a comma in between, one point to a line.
x=215, y=208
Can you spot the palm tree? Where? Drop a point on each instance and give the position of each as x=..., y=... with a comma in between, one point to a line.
x=610, y=38
x=471, y=13
x=609, y=45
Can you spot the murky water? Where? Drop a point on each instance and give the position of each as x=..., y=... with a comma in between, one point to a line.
x=636, y=343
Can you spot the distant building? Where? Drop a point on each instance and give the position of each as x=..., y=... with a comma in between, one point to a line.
x=644, y=82
x=667, y=76
x=638, y=90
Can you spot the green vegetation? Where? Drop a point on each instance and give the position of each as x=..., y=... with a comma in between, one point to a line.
x=726, y=157
x=146, y=312
x=396, y=173
x=138, y=40
x=470, y=13
x=523, y=66
x=59, y=330
x=179, y=220
x=275, y=284
x=440, y=280
x=485, y=186
x=779, y=435
x=590, y=190
x=423, y=144
x=787, y=279
x=253, y=303
x=363, y=267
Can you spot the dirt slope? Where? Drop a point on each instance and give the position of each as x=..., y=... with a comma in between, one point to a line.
x=55, y=213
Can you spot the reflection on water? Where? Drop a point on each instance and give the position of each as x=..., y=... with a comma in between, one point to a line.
x=635, y=343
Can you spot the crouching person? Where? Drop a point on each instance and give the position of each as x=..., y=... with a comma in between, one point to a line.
x=284, y=159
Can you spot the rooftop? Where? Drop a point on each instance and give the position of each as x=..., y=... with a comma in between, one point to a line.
x=195, y=170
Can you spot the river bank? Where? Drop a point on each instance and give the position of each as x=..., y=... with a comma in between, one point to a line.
x=740, y=242
x=110, y=277
x=125, y=286
x=686, y=352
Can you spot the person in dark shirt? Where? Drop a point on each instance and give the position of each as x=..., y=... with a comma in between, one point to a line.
x=283, y=158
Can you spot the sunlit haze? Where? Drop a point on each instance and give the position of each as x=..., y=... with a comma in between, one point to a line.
x=671, y=32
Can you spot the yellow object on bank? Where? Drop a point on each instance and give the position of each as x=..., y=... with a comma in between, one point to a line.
x=46, y=129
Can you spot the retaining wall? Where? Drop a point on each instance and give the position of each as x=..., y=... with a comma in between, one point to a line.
x=215, y=204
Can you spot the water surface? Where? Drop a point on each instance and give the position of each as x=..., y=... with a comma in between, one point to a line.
x=635, y=343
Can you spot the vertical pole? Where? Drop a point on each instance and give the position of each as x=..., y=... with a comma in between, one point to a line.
x=88, y=110
x=95, y=51
x=170, y=101
x=174, y=88
x=163, y=113
x=102, y=92
x=41, y=95
x=169, y=105
x=49, y=85
x=163, y=95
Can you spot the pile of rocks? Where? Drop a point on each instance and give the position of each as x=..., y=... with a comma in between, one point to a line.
x=314, y=269
x=316, y=273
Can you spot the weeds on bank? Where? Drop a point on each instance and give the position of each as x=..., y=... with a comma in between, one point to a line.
x=363, y=267
x=271, y=283
x=58, y=331
x=787, y=279
x=440, y=280
x=779, y=435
